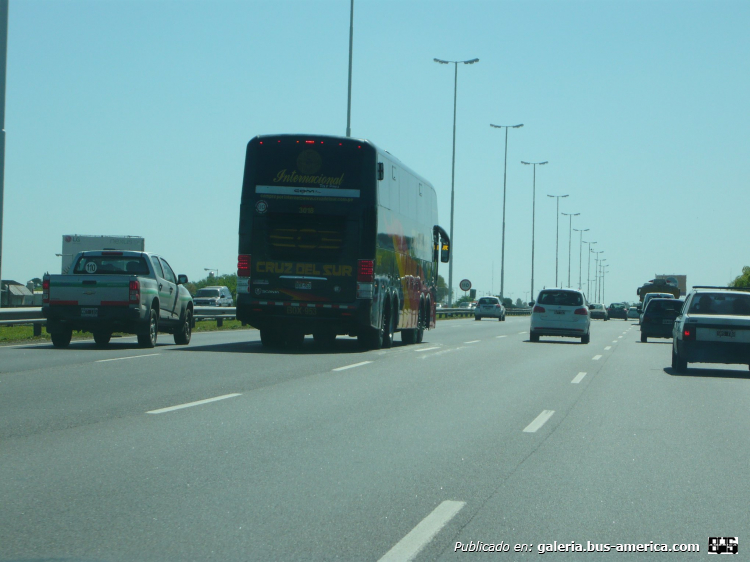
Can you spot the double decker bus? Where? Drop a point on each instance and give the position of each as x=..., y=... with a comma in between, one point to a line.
x=336, y=237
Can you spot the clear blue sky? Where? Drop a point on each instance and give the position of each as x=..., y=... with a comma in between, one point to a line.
x=132, y=117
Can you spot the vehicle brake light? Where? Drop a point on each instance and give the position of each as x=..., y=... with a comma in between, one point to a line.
x=366, y=271
x=539, y=309
x=135, y=291
x=243, y=265
x=688, y=333
x=497, y=306
x=45, y=291
x=111, y=253
x=582, y=311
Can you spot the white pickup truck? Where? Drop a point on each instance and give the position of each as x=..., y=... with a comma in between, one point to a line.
x=118, y=291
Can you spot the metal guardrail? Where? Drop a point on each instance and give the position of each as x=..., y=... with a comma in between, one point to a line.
x=464, y=312
x=33, y=315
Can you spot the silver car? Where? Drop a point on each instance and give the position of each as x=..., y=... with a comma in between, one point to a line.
x=489, y=307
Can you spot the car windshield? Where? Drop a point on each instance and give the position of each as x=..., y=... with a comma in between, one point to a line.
x=563, y=298
x=723, y=304
x=207, y=293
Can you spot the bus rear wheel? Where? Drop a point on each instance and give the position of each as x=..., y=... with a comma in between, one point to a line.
x=271, y=337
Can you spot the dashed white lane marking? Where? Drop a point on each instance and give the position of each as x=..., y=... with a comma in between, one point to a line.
x=408, y=547
x=352, y=366
x=596, y=357
x=579, y=378
x=442, y=352
x=427, y=349
x=191, y=404
x=498, y=337
x=619, y=337
x=608, y=348
x=473, y=341
x=540, y=420
x=614, y=341
x=521, y=333
x=123, y=358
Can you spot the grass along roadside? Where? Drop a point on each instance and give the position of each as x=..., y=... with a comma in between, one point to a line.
x=22, y=333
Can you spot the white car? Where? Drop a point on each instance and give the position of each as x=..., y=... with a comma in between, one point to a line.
x=713, y=327
x=560, y=312
x=213, y=296
x=489, y=307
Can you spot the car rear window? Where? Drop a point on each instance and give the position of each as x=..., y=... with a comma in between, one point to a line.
x=488, y=301
x=562, y=298
x=110, y=265
x=663, y=306
x=722, y=304
x=207, y=293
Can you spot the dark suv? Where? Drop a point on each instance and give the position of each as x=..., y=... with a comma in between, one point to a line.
x=658, y=318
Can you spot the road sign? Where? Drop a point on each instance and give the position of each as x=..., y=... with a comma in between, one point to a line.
x=464, y=285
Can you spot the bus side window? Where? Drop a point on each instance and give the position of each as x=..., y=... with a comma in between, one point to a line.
x=394, y=189
x=384, y=193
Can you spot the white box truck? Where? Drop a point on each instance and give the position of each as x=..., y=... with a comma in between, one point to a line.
x=72, y=244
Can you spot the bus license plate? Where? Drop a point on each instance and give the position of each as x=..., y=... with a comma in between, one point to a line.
x=303, y=285
x=89, y=312
x=725, y=333
x=301, y=311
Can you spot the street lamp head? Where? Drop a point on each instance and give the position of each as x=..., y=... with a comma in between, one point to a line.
x=536, y=164
x=507, y=126
x=441, y=61
x=472, y=61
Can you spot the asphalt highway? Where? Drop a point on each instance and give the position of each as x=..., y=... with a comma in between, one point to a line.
x=224, y=450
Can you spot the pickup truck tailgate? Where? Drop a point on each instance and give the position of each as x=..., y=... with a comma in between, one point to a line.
x=92, y=290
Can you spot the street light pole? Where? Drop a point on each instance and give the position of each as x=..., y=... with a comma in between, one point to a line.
x=596, y=272
x=453, y=166
x=599, y=280
x=533, y=216
x=580, y=253
x=349, y=98
x=570, y=239
x=505, y=175
x=588, y=272
x=604, y=270
x=557, y=231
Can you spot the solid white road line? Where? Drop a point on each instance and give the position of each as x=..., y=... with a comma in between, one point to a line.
x=123, y=358
x=352, y=366
x=579, y=378
x=408, y=547
x=608, y=348
x=473, y=341
x=540, y=420
x=427, y=348
x=191, y=404
x=596, y=357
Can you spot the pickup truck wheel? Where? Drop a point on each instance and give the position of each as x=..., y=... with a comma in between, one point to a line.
x=534, y=337
x=149, y=339
x=182, y=337
x=62, y=339
x=644, y=339
x=102, y=338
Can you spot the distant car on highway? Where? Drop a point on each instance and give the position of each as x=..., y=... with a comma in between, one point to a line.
x=713, y=327
x=560, y=312
x=598, y=311
x=658, y=318
x=489, y=307
x=647, y=298
x=633, y=312
x=213, y=296
x=618, y=310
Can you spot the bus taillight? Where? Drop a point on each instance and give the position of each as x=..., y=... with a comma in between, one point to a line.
x=243, y=265
x=366, y=271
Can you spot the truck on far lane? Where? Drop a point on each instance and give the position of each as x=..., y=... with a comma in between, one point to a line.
x=118, y=291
